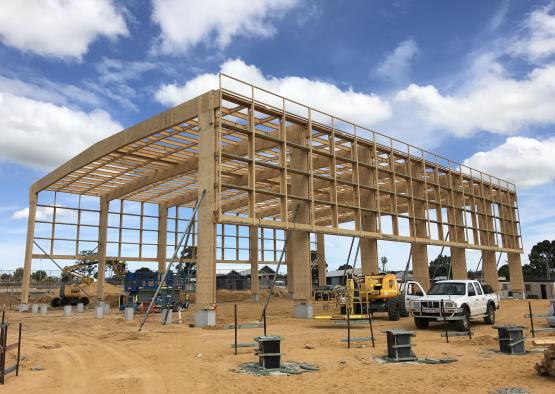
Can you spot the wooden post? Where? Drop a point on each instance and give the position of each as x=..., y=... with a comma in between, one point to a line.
x=487, y=237
x=162, y=237
x=456, y=231
x=102, y=236
x=253, y=259
x=321, y=250
x=206, y=247
x=235, y=327
x=29, y=247
x=418, y=226
x=368, y=246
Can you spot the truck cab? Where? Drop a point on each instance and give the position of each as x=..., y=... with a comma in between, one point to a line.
x=455, y=301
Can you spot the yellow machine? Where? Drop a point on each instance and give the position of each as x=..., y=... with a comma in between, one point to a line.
x=74, y=293
x=368, y=294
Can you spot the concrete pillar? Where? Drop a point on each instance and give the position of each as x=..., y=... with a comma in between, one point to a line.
x=80, y=307
x=99, y=311
x=300, y=240
x=419, y=229
x=162, y=237
x=253, y=258
x=206, y=242
x=102, y=236
x=128, y=313
x=166, y=316
x=43, y=309
x=106, y=308
x=321, y=250
x=368, y=246
x=67, y=310
x=29, y=247
x=35, y=308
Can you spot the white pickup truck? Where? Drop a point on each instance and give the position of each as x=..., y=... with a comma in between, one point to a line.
x=460, y=298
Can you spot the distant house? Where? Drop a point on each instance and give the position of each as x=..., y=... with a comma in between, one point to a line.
x=265, y=276
x=335, y=278
x=233, y=280
x=537, y=289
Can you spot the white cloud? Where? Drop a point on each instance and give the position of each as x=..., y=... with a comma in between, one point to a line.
x=362, y=108
x=58, y=28
x=118, y=71
x=493, y=103
x=539, y=42
x=396, y=65
x=186, y=23
x=42, y=213
x=42, y=135
x=527, y=162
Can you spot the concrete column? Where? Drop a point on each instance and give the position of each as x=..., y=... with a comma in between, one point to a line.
x=67, y=310
x=206, y=241
x=102, y=236
x=321, y=250
x=80, y=307
x=29, y=247
x=128, y=313
x=253, y=258
x=300, y=240
x=419, y=228
x=368, y=246
x=487, y=238
x=162, y=237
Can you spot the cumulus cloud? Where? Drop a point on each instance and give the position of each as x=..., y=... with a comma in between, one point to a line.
x=493, y=103
x=58, y=28
x=186, y=23
x=396, y=65
x=43, y=135
x=539, y=42
x=527, y=162
x=362, y=108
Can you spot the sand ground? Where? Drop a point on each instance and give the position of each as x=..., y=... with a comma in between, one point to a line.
x=81, y=354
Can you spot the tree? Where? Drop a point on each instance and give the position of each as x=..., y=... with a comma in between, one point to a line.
x=18, y=274
x=384, y=262
x=39, y=275
x=440, y=266
x=504, y=271
x=542, y=259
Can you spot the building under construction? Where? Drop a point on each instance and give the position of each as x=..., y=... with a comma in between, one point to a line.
x=268, y=165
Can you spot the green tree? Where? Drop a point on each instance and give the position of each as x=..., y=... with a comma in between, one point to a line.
x=39, y=275
x=504, y=271
x=384, y=262
x=542, y=259
x=18, y=274
x=439, y=266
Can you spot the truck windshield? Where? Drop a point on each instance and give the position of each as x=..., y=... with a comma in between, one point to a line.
x=447, y=289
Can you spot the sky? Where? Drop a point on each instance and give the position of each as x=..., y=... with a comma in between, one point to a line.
x=472, y=81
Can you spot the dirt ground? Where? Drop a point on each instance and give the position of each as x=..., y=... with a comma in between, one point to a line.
x=82, y=354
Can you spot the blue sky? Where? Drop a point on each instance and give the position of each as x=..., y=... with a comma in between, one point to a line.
x=458, y=78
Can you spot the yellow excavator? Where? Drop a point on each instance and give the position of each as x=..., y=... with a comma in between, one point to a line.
x=74, y=293
x=368, y=294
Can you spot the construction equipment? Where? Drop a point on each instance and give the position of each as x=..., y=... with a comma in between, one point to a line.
x=367, y=294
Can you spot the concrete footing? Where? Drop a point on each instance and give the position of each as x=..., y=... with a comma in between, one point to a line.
x=255, y=297
x=129, y=314
x=99, y=311
x=80, y=307
x=23, y=307
x=67, y=310
x=303, y=311
x=106, y=307
x=43, y=308
x=166, y=316
x=35, y=308
x=205, y=318
x=519, y=295
x=290, y=295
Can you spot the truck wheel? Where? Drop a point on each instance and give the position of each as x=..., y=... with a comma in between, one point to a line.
x=490, y=315
x=421, y=323
x=55, y=302
x=84, y=300
x=462, y=325
x=403, y=312
x=393, y=309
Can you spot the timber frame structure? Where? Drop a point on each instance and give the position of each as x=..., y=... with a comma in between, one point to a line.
x=268, y=165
